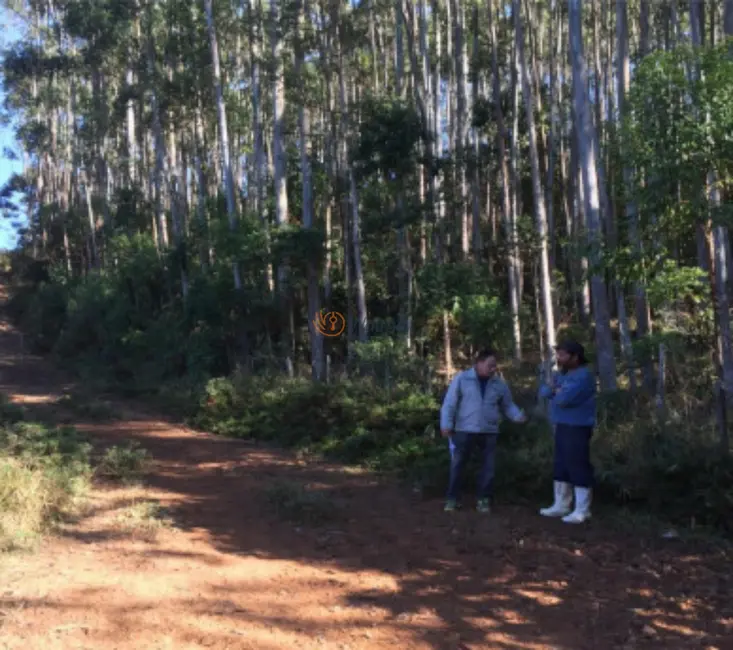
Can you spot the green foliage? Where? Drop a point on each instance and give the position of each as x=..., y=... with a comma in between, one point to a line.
x=43, y=471
x=388, y=138
x=674, y=283
x=126, y=464
x=388, y=362
x=677, y=130
x=468, y=293
x=484, y=320
x=677, y=469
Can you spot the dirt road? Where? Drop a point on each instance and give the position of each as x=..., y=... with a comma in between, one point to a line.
x=388, y=571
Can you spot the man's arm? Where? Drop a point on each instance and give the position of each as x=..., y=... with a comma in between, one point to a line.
x=448, y=410
x=547, y=391
x=575, y=391
x=511, y=410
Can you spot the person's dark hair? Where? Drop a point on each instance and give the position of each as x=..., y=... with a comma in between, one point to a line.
x=485, y=353
x=575, y=349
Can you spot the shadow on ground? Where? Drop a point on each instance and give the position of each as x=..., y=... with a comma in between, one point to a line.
x=417, y=575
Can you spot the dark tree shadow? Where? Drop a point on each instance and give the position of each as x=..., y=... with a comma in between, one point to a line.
x=511, y=580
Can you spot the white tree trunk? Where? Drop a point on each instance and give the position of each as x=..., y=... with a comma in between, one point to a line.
x=316, y=339
x=361, y=306
x=632, y=216
x=131, y=152
x=539, y=198
x=728, y=18
x=504, y=179
x=278, y=97
x=226, y=164
x=438, y=132
x=158, y=145
x=588, y=161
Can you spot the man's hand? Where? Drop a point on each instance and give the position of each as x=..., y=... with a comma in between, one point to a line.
x=523, y=418
x=446, y=433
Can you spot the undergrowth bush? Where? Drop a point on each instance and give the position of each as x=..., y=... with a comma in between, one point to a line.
x=639, y=462
x=44, y=473
x=125, y=464
x=119, y=327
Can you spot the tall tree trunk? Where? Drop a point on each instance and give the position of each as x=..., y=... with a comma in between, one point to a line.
x=588, y=154
x=475, y=178
x=644, y=29
x=255, y=55
x=461, y=125
x=632, y=216
x=158, y=142
x=130, y=133
x=174, y=192
x=721, y=245
x=437, y=134
x=361, y=306
x=555, y=80
x=728, y=18
x=514, y=162
x=504, y=179
x=330, y=156
x=280, y=173
x=223, y=134
x=343, y=177
x=539, y=198
x=427, y=216
x=316, y=339
x=201, y=214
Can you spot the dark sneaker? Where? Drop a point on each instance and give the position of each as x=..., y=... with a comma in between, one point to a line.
x=450, y=505
x=483, y=506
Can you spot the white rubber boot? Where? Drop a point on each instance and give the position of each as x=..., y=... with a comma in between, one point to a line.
x=563, y=501
x=583, y=498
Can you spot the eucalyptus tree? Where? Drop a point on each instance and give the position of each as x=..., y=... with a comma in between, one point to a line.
x=589, y=159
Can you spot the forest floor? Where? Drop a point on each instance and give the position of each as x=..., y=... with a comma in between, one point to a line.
x=384, y=570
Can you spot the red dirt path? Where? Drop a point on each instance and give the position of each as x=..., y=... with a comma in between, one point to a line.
x=391, y=572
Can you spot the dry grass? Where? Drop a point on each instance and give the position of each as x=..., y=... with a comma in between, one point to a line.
x=143, y=518
x=33, y=498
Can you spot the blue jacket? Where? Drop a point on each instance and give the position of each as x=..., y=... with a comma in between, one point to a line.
x=465, y=409
x=575, y=402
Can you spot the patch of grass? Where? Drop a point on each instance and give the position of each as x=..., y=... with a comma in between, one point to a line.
x=126, y=464
x=44, y=473
x=144, y=517
x=299, y=504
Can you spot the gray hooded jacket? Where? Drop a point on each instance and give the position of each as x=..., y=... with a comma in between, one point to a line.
x=464, y=409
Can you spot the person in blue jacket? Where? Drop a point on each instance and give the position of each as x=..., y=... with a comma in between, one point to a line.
x=572, y=395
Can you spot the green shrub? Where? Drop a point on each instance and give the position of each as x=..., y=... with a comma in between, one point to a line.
x=126, y=464
x=43, y=472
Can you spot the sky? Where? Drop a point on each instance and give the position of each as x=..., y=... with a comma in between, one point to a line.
x=9, y=33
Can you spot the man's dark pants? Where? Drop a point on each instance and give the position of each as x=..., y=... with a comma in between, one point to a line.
x=572, y=455
x=463, y=446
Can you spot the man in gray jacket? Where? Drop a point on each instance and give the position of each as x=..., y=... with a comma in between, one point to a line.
x=470, y=417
